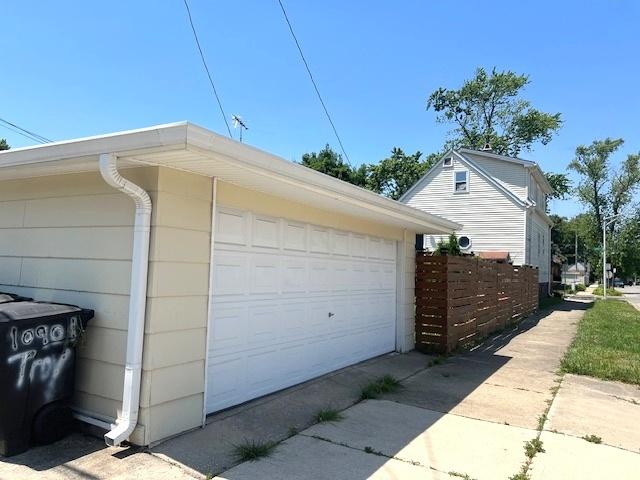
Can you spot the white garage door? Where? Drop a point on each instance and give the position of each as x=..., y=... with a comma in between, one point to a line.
x=292, y=301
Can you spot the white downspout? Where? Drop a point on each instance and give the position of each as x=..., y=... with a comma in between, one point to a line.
x=137, y=301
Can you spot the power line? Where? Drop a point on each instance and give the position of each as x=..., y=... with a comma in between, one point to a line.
x=24, y=132
x=304, y=60
x=204, y=62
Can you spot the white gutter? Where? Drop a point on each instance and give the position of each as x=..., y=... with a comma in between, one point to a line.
x=137, y=300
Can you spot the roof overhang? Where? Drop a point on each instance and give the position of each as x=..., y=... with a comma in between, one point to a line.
x=187, y=147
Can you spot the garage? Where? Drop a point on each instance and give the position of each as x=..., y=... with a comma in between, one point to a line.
x=292, y=301
x=218, y=272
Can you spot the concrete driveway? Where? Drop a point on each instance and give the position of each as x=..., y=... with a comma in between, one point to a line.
x=467, y=417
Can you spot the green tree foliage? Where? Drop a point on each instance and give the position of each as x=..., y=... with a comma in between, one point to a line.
x=560, y=183
x=4, y=145
x=488, y=109
x=331, y=163
x=605, y=191
x=391, y=177
x=449, y=247
x=394, y=175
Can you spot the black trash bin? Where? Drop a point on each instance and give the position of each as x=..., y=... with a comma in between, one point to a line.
x=37, y=366
x=12, y=297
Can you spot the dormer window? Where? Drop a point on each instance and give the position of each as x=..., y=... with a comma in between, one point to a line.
x=461, y=182
x=447, y=162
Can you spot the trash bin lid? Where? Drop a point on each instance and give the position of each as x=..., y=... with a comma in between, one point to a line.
x=12, y=297
x=27, y=310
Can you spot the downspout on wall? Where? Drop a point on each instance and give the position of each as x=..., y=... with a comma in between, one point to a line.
x=128, y=418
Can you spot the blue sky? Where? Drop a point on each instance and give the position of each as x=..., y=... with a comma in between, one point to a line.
x=77, y=68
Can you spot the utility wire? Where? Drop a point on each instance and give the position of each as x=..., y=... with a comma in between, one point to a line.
x=204, y=62
x=315, y=86
x=24, y=132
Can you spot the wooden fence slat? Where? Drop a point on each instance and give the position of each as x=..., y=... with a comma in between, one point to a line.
x=460, y=300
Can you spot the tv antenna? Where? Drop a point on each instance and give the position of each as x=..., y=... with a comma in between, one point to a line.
x=237, y=122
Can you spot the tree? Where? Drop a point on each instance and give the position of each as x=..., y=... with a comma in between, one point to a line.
x=597, y=189
x=4, y=145
x=394, y=175
x=488, y=110
x=330, y=162
x=560, y=183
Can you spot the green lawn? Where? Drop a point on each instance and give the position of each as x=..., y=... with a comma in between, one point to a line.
x=610, y=292
x=607, y=344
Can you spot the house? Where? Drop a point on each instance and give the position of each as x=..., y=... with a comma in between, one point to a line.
x=575, y=274
x=218, y=272
x=500, y=202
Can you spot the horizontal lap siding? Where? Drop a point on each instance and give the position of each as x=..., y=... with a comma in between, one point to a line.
x=68, y=239
x=489, y=218
x=172, y=390
x=511, y=175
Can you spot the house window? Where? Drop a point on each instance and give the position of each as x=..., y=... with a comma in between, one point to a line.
x=464, y=242
x=461, y=182
x=447, y=162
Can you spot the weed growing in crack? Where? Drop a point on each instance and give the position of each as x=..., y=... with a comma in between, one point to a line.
x=386, y=384
x=328, y=415
x=592, y=438
x=464, y=476
x=252, y=450
x=371, y=450
x=541, y=421
x=522, y=474
x=532, y=447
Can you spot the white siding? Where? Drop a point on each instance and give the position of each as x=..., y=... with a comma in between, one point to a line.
x=513, y=176
x=490, y=219
x=539, y=246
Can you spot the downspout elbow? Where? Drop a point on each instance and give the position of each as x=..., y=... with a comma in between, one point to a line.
x=128, y=418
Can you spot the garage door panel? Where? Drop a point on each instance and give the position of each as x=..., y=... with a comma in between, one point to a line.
x=319, y=240
x=230, y=273
x=295, y=236
x=228, y=329
x=231, y=226
x=265, y=232
x=293, y=301
x=264, y=274
x=294, y=275
x=340, y=243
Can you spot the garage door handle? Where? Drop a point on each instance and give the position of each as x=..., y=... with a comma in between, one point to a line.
x=331, y=314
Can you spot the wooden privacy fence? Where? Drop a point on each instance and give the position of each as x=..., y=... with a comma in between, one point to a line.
x=460, y=300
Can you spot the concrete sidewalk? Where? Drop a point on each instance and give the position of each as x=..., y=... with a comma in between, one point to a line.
x=468, y=417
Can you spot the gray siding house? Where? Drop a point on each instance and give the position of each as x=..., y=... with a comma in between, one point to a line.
x=500, y=202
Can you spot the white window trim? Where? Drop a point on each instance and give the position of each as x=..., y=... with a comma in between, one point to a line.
x=444, y=162
x=468, y=247
x=456, y=192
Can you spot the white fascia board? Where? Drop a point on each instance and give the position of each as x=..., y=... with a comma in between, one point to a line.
x=303, y=177
x=163, y=137
x=183, y=135
x=497, y=156
x=543, y=216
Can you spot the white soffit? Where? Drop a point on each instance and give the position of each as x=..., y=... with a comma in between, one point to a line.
x=194, y=149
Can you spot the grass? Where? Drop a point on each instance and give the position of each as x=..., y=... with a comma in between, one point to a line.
x=607, y=344
x=328, y=415
x=592, y=438
x=386, y=384
x=610, y=291
x=252, y=450
x=541, y=419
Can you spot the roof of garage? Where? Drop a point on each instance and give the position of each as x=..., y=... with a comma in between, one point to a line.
x=191, y=148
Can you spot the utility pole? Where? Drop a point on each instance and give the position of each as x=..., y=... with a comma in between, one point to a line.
x=605, y=223
x=575, y=277
x=237, y=122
